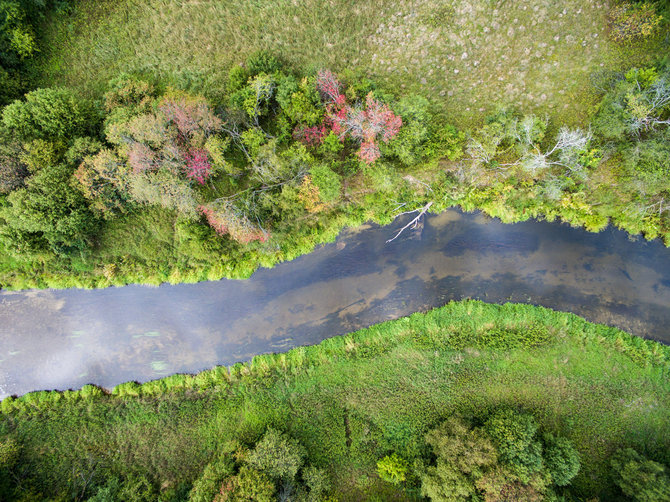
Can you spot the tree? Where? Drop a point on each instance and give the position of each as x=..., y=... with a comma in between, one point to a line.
x=103, y=180
x=514, y=436
x=251, y=485
x=639, y=478
x=462, y=456
x=317, y=481
x=561, y=459
x=51, y=113
x=277, y=455
x=213, y=476
x=365, y=125
x=53, y=208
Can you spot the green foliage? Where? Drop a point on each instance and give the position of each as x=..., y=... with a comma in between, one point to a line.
x=317, y=481
x=253, y=485
x=462, y=456
x=9, y=454
x=393, y=469
x=299, y=100
x=237, y=77
x=633, y=21
x=639, y=478
x=515, y=438
x=561, y=459
x=40, y=153
x=207, y=486
x=277, y=455
x=327, y=181
x=51, y=207
x=54, y=113
x=263, y=61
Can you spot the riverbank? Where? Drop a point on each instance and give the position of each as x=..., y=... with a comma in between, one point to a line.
x=67, y=338
x=389, y=384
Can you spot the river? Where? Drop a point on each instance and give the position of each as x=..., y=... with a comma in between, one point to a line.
x=59, y=339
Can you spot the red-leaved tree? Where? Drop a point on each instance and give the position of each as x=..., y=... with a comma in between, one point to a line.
x=366, y=125
x=198, y=167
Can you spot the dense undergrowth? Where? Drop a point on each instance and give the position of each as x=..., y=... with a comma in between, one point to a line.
x=151, y=178
x=354, y=401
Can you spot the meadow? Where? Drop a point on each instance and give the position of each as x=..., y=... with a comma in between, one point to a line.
x=466, y=57
x=353, y=399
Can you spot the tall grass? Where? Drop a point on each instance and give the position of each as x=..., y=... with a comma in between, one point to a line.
x=469, y=57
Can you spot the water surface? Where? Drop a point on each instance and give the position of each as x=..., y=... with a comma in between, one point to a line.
x=65, y=339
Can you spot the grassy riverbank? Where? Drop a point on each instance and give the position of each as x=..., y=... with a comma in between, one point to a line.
x=353, y=399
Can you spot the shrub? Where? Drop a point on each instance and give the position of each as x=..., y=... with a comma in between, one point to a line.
x=263, y=61
x=629, y=22
x=226, y=219
x=327, y=181
x=392, y=469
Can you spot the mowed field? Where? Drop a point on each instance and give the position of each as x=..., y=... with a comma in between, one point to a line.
x=467, y=56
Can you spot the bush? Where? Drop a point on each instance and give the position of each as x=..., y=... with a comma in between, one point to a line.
x=629, y=22
x=327, y=181
x=392, y=469
x=263, y=62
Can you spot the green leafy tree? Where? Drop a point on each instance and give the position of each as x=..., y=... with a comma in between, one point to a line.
x=462, y=456
x=50, y=206
x=51, y=113
x=639, y=478
x=253, y=486
x=317, y=481
x=561, y=459
x=209, y=483
x=277, y=455
x=514, y=436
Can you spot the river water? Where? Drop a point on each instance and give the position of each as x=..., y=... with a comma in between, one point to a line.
x=53, y=339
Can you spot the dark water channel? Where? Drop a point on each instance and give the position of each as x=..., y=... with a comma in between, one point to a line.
x=64, y=339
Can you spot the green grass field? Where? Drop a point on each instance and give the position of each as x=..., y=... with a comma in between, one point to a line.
x=466, y=56
x=389, y=384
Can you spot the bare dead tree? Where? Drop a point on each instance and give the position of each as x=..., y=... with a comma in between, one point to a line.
x=414, y=222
